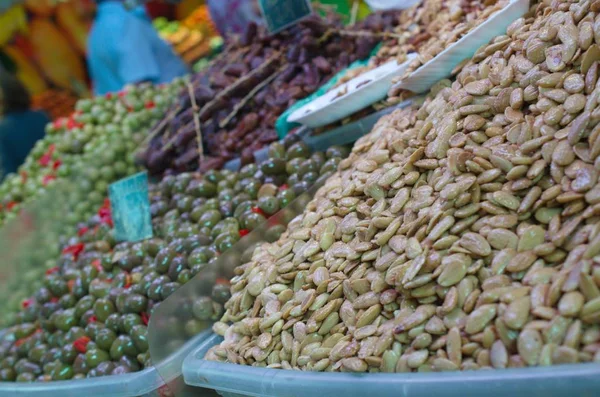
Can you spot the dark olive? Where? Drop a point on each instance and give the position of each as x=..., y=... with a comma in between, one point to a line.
x=151, y=247
x=99, y=288
x=273, y=166
x=130, y=362
x=69, y=353
x=184, y=276
x=139, y=335
x=329, y=165
x=43, y=295
x=67, y=301
x=93, y=357
x=221, y=293
x=268, y=205
x=128, y=262
x=164, y=258
x=298, y=149
x=123, y=345
x=25, y=377
x=168, y=289
x=310, y=177
x=251, y=220
x=202, y=308
x=293, y=179
x=62, y=372
x=155, y=289
x=210, y=218
x=285, y=197
x=318, y=158
x=105, y=368
x=58, y=287
x=8, y=375
x=103, y=308
x=105, y=338
x=51, y=355
x=308, y=166
x=65, y=319
x=337, y=151
x=79, y=365
x=37, y=353
x=73, y=334
x=226, y=240
x=204, y=188
x=276, y=150
x=239, y=198
x=177, y=265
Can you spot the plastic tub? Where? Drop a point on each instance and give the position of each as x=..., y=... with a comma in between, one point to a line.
x=143, y=383
x=232, y=380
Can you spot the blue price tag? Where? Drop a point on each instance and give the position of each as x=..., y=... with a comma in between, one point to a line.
x=131, y=208
x=279, y=14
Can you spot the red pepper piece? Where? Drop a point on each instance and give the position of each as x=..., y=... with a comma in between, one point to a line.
x=82, y=230
x=150, y=105
x=257, y=210
x=56, y=165
x=92, y=319
x=145, y=318
x=52, y=270
x=283, y=187
x=80, y=344
x=11, y=205
x=127, y=281
x=47, y=179
x=26, y=303
x=44, y=160
x=74, y=250
x=244, y=232
x=97, y=264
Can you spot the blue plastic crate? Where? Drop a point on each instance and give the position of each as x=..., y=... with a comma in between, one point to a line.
x=232, y=380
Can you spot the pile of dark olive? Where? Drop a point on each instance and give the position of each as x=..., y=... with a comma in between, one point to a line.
x=89, y=318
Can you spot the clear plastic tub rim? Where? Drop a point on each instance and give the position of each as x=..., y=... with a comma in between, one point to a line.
x=231, y=380
x=146, y=383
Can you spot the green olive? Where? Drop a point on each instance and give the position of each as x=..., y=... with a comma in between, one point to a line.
x=123, y=345
x=103, y=308
x=298, y=149
x=268, y=205
x=105, y=338
x=273, y=166
x=93, y=357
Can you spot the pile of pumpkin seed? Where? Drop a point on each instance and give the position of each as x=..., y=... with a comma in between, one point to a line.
x=464, y=235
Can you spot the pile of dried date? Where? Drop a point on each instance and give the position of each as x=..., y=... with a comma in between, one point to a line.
x=232, y=106
x=463, y=236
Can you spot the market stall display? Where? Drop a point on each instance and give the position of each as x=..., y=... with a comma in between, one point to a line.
x=90, y=315
x=461, y=236
x=94, y=146
x=240, y=96
x=432, y=32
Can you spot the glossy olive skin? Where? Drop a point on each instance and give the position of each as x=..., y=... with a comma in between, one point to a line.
x=90, y=317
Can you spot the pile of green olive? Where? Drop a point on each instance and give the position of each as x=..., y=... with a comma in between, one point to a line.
x=92, y=148
x=89, y=316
